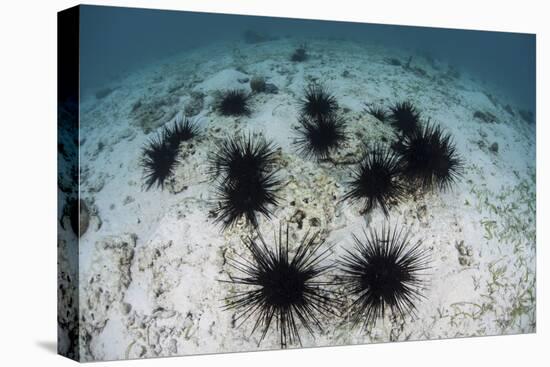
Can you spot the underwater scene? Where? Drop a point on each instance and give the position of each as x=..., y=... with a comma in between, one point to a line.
x=252, y=183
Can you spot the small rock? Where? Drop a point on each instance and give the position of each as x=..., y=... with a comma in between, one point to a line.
x=298, y=218
x=465, y=254
x=314, y=222
x=257, y=84
x=393, y=61
x=126, y=308
x=271, y=88
x=509, y=109
x=129, y=134
x=419, y=71
x=487, y=117
x=97, y=185
x=481, y=144
x=494, y=147
x=128, y=199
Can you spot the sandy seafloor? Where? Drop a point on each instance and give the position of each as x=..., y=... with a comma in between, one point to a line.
x=151, y=261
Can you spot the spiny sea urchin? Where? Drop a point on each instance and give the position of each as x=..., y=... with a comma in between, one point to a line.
x=405, y=118
x=385, y=270
x=429, y=158
x=376, y=180
x=320, y=136
x=318, y=102
x=245, y=169
x=378, y=112
x=234, y=102
x=282, y=290
x=159, y=159
x=246, y=197
x=240, y=157
x=182, y=130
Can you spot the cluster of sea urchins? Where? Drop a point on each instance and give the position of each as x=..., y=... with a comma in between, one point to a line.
x=321, y=129
x=245, y=171
x=288, y=285
x=423, y=156
x=384, y=272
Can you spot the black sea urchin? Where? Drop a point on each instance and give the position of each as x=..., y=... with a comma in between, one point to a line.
x=242, y=157
x=405, y=118
x=245, y=170
x=246, y=197
x=376, y=180
x=385, y=270
x=429, y=158
x=159, y=158
x=320, y=136
x=182, y=130
x=378, y=112
x=233, y=102
x=318, y=102
x=283, y=290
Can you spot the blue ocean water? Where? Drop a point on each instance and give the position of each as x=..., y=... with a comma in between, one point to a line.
x=115, y=41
